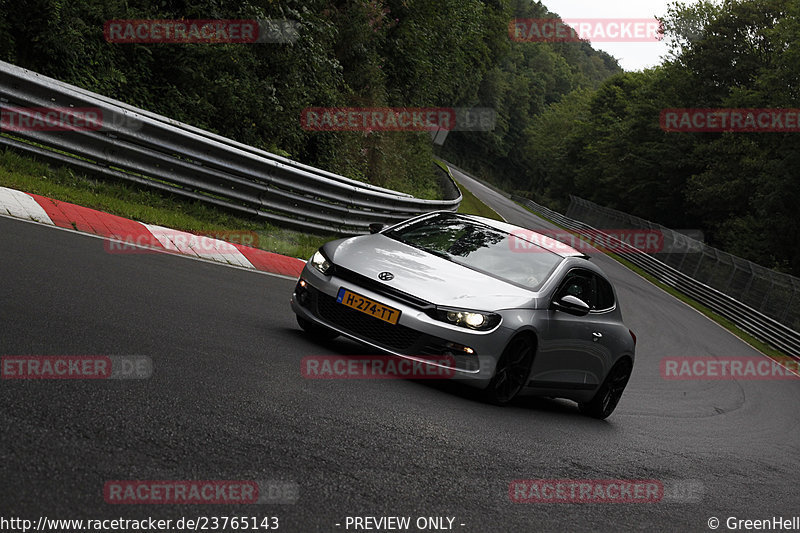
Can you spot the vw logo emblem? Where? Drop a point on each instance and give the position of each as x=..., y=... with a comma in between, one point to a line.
x=385, y=276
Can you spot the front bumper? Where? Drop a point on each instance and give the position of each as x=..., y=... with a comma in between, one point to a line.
x=416, y=336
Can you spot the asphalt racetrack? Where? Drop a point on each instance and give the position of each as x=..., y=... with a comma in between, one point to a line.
x=227, y=401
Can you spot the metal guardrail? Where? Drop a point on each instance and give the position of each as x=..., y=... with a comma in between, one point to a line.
x=748, y=319
x=152, y=150
x=772, y=293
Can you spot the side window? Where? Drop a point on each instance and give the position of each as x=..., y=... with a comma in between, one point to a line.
x=589, y=287
x=605, y=294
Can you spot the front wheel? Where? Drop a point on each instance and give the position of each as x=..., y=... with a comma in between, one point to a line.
x=511, y=372
x=320, y=333
x=609, y=393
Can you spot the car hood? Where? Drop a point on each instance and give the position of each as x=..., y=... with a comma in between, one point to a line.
x=427, y=276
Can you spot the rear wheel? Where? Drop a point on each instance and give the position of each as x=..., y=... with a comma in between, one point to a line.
x=320, y=333
x=511, y=372
x=609, y=393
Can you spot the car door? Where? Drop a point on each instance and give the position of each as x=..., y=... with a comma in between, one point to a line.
x=572, y=352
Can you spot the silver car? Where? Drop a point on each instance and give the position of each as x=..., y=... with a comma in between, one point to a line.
x=514, y=311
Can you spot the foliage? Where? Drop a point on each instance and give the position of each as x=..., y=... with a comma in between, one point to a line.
x=740, y=188
x=363, y=53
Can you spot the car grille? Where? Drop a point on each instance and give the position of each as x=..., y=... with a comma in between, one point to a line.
x=381, y=288
x=395, y=336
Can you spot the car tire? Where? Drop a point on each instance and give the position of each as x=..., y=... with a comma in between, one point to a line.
x=315, y=331
x=511, y=372
x=609, y=393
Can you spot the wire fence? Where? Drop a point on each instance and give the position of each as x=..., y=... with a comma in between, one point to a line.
x=749, y=319
x=774, y=294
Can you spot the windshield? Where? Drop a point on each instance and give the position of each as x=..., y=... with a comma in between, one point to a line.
x=480, y=247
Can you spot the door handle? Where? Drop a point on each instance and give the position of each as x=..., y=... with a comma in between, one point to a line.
x=596, y=336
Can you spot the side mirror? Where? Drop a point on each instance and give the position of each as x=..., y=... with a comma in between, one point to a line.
x=572, y=305
x=375, y=227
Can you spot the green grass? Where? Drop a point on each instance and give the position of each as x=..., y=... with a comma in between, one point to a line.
x=25, y=174
x=721, y=320
x=470, y=205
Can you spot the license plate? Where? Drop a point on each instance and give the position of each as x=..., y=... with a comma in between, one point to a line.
x=368, y=306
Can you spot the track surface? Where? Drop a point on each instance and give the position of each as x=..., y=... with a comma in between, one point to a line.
x=227, y=401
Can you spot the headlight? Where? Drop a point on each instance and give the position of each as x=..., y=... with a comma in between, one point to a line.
x=467, y=319
x=320, y=262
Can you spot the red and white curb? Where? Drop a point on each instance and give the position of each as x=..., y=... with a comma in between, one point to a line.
x=130, y=233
